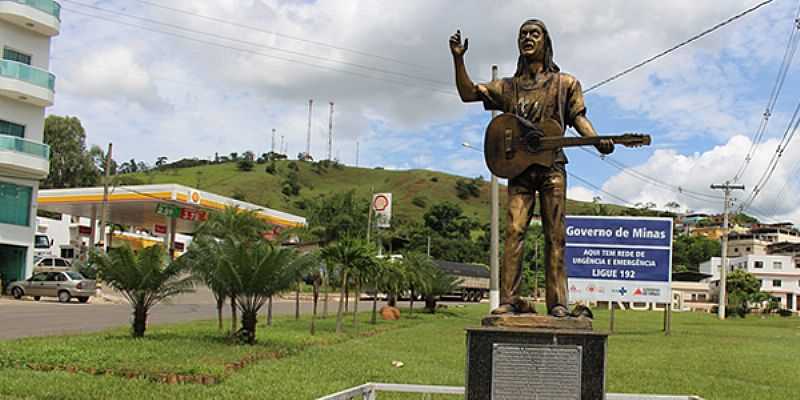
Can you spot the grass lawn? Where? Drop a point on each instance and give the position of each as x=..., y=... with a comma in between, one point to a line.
x=735, y=359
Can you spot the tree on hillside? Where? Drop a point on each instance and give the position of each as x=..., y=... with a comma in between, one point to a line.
x=71, y=165
x=98, y=156
x=161, y=161
x=338, y=215
x=690, y=251
x=448, y=220
x=144, y=279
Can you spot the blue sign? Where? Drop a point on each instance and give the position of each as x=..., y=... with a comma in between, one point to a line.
x=619, y=258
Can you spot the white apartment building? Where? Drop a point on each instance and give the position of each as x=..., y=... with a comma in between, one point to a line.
x=757, y=240
x=26, y=89
x=779, y=275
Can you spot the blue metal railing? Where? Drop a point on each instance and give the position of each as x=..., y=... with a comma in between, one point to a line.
x=48, y=6
x=26, y=73
x=21, y=145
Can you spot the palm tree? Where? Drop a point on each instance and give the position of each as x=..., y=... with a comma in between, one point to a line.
x=144, y=279
x=389, y=278
x=419, y=268
x=363, y=272
x=254, y=271
x=202, y=259
x=344, y=255
x=439, y=283
x=234, y=223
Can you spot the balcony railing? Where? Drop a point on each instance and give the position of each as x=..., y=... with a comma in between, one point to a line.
x=21, y=145
x=26, y=73
x=47, y=6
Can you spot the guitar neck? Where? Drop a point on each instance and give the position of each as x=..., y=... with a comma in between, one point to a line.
x=552, y=143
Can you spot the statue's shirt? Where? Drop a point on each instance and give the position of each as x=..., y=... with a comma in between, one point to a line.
x=557, y=96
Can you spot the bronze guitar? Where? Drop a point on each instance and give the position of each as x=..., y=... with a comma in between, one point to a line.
x=512, y=144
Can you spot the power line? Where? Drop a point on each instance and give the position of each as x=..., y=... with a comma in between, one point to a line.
x=248, y=51
x=788, y=56
x=599, y=189
x=282, y=35
x=791, y=128
x=677, y=46
x=628, y=170
x=260, y=45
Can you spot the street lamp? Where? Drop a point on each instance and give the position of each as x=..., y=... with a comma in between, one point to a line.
x=494, y=246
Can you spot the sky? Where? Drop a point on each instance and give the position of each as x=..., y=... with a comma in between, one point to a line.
x=191, y=78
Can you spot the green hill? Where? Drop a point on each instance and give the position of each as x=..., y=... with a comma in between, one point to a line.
x=413, y=190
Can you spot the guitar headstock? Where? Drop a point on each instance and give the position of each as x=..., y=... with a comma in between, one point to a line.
x=633, y=140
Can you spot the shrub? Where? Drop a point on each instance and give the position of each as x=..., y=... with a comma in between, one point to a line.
x=245, y=165
x=271, y=168
x=419, y=201
x=467, y=188
x=290, y=187
x=293, y=166
x=434, y=179
x=239, y=194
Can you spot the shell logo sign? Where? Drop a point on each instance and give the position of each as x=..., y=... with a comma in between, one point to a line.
x=194, y=197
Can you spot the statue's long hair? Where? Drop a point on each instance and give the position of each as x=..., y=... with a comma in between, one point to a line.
x=549, y=64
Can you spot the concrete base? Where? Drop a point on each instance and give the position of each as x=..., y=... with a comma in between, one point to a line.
x=591, y=347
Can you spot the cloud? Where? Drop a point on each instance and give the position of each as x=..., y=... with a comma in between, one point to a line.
x=581, y=193
x=395, y=95
x=112, y=74
x=695, y=173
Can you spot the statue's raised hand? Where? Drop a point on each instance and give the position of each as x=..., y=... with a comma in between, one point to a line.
x=456, y=47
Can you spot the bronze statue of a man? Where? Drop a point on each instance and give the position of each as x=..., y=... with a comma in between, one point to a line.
x=537, y=91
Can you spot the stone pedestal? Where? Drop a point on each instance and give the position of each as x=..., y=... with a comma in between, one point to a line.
x=512, y=363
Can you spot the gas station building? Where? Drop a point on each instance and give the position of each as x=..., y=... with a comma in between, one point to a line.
x=162, y=210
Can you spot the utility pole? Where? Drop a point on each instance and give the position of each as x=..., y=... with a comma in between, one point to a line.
x=283, y=150
x=357, y=149
x=308, y=136
x=273, y=141
x=726, y=187
x=330, y=133
x=104, y=205
x=494, y=246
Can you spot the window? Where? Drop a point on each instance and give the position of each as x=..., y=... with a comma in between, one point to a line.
x=735, y=249
x=776, y=283
x=68, y=252
x=701, y=296
x=60, y=262
x=41, y=277
x=759, y=264
x=15, y=204
x=777, y=265
x=797, y=264
x=13, y=55
x=747, y=249
x=11, y=129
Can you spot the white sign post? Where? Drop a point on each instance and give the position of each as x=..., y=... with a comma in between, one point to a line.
x=382, y=207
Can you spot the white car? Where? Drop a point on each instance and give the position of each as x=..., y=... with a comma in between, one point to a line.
x=49, y=263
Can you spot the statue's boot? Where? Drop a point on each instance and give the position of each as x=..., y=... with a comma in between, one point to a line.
x=524, y=307
x=504, y=309
x=581, y=311
x=559, y=311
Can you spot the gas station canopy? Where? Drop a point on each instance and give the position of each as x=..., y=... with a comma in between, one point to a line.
x=150, y=205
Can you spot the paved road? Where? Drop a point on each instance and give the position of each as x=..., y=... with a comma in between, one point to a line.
x=24, y=318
